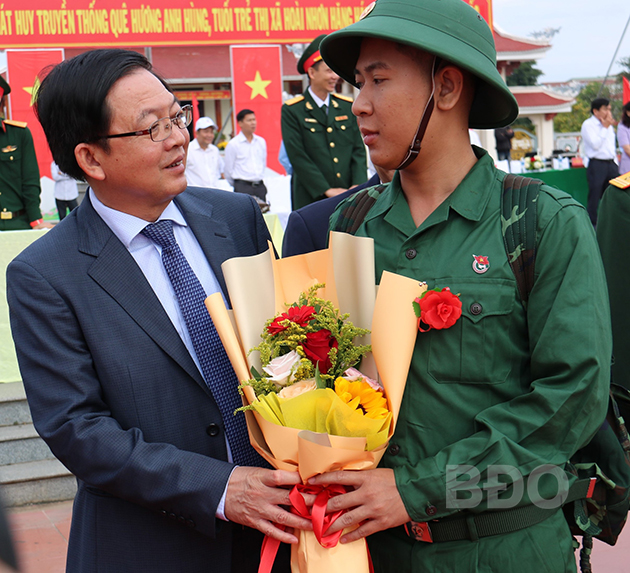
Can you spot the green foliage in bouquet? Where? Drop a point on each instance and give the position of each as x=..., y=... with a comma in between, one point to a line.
x=311, y=337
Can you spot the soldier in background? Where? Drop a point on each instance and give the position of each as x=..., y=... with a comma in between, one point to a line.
x=321, y=135
x=19, y=175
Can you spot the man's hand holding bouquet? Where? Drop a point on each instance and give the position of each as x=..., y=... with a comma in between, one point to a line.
x=308, y=408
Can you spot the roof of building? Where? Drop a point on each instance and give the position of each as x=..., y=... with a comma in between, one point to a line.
x=510, y=47
x=538, y=99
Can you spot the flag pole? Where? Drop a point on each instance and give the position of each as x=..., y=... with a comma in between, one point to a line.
x=599, y=93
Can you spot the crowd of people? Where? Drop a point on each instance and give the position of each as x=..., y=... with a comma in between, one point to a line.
x=127, y=379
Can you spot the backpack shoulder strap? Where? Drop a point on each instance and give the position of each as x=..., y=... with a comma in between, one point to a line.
x=356, y=209
x=518, y=227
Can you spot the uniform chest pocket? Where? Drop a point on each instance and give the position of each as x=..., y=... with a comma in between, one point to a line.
x=479, y=347
x=11, y=157
x=313, y=127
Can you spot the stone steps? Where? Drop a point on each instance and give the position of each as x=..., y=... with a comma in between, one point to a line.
x=42, y=481
x=29, y=472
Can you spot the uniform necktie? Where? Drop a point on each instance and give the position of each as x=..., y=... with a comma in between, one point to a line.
x=215, y=364
x=325, y=108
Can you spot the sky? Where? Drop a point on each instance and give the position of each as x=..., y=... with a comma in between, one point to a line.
x=586, y=43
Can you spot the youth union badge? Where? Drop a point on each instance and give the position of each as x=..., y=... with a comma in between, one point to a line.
x=480, y=264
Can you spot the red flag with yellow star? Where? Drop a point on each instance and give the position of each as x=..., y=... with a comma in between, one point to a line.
x=257, y=85
x=25, y=69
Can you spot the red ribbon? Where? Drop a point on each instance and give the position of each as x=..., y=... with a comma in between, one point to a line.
x=318, y=516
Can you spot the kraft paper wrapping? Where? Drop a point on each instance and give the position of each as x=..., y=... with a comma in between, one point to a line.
x=258, y=287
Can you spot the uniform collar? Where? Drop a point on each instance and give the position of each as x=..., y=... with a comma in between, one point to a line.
x=320, y=102
x=469, y=199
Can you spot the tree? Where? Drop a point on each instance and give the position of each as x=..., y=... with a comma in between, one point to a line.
x=624, y=63
x=525, y=75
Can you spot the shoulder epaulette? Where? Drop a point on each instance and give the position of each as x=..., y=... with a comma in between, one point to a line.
x=15, y=123
x=623, y=181
x=293, y=100
x=343, y=97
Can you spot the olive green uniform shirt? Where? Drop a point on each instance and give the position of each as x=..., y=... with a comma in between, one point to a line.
x=503, y=385
x=613, y=235
x=325, y=151
x=19, y=178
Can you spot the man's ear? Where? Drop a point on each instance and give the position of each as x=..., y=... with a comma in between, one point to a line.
x=449, y=88
x=87, y=156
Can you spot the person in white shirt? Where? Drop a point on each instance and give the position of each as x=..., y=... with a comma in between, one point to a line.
x=204, y=165
x=246, y=158
x=66, y=191
x=600, y=150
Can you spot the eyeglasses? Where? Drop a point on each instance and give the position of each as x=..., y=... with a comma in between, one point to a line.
x=161, y=129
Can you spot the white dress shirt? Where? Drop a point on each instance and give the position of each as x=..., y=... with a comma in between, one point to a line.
x=317, y=100
x=599, y=141
x=244, y=159
x=203, y=166
x=148, y=256
x=65, y=186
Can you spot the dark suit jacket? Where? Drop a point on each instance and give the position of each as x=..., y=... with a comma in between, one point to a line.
x=118, y=398
x=307, y=228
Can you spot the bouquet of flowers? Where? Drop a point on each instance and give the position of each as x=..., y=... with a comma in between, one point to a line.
x=307, y=408
x=309, y=381
x=534, y=163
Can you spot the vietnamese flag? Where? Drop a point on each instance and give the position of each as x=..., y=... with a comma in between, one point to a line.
x=25, y=71
x=626, y=91
x=257, y=85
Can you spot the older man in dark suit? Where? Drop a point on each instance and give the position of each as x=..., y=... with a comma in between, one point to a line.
x=125, y=376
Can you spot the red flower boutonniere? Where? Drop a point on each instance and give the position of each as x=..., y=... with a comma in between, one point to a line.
x=437, y=308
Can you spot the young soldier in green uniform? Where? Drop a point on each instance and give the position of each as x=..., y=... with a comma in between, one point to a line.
x=613, y=236
x=19, y=175
x=320, y=135
x=505, y=396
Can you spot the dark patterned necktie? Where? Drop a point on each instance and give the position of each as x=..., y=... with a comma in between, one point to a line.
x=325, y=109
x=215, y=364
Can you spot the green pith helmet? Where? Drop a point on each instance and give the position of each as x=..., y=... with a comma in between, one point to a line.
x=450, y=29
x=310, y=56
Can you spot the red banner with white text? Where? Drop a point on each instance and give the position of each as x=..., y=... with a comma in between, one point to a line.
x=257, y=85
x=24, y=72
x=107, y=23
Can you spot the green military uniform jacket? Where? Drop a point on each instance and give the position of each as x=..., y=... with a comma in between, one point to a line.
x=19, y=177
x=324, y=151
x=504, y=385
x=613, y=235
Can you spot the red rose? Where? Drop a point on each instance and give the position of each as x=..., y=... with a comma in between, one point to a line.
x=439, y=309
x=317, y=346
x=301, y=315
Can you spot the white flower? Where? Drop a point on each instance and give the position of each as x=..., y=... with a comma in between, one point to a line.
x=298, y=388
x=280, y=370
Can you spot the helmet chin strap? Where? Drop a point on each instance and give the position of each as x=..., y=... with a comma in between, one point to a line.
x=414, y=148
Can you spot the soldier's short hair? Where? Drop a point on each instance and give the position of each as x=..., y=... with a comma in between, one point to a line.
x=71, y=103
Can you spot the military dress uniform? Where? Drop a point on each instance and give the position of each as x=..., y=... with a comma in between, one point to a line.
x=19, y=177
x=325, y=151
x=504, y=385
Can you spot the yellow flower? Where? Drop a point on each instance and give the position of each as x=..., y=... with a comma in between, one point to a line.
x=360, y=395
